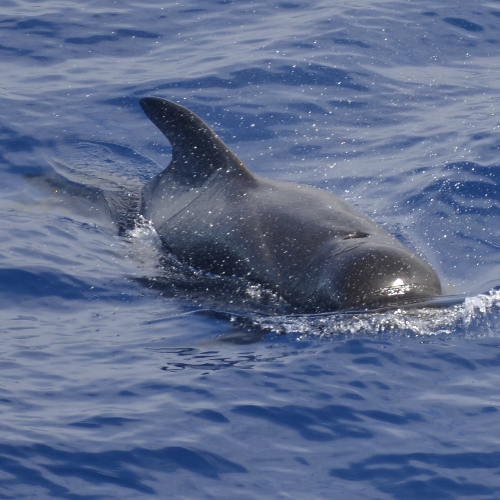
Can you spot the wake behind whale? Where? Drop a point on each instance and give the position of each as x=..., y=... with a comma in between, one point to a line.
x=307, y=246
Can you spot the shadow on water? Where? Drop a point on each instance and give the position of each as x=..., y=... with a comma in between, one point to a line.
x=413, y=476
x=133, y=469
x=337, y=421
x=212, y=360
x=42, y=283
x=464, y=24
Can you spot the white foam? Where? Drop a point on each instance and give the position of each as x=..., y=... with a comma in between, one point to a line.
x=144, y=230
x=481, y=304
x=478, y=314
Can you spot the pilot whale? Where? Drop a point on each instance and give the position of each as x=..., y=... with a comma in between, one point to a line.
x=312, y=248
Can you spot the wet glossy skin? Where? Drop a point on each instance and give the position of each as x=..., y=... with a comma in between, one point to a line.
x=314, y=249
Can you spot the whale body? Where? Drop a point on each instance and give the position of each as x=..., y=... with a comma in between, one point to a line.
x=310, y=247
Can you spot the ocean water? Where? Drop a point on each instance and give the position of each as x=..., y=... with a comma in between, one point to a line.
x=125, y=375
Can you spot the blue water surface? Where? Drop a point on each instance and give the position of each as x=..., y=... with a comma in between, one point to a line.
x=124, y=375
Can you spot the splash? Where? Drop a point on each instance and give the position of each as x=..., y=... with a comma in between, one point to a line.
x=476, y=316
x=482, y=307
x=145, y=245
x=144, y=231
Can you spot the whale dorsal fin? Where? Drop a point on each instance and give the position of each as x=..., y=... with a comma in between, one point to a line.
x=199, y=160
x=197, y=152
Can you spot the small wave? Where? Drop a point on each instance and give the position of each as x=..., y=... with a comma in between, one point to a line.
x=478, y=314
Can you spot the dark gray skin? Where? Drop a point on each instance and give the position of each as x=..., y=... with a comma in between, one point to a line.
x=312, y=248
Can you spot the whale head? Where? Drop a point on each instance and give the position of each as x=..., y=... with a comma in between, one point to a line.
x=372, y=274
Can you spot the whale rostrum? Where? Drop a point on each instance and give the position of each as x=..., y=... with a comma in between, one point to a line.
x=310, y=247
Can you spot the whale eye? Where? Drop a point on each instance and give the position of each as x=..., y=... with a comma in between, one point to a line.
x=356, y=234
